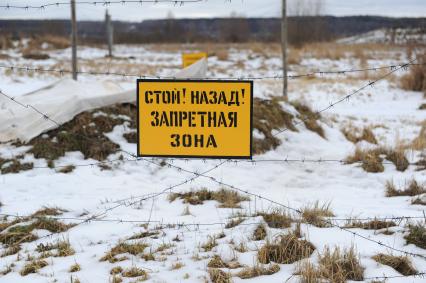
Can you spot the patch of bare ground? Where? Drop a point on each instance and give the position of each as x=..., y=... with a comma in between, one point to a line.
x=288, y=249
x=226, y=198
x=402, y=264
x=268, y=115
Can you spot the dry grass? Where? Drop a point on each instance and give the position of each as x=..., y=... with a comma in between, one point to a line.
x=219, y=276
x=412, y=188
x=49, y=211
x=122, y=248
x=11, y=250
x=210, y=244
x=63, y=248
x=419, y=143
x=13, y=166
x=234, y=222
x=371, y=159
x=417, y=235
x=259, y=233
x=75, y=268
x=35, y=56
x=135, y=272
x=339, y=266
x=314, y=214
x=287, y=250
x=145, y=234
x=226, y=198
x=419, y=201
x=268, y=115
x=356, y=135
x=116, y=270
x=416, y=79
x=308, y=273
x=309, y=118
x=402, y=264
x=33, y=267
x=258, y=270
x=277, y=218
x=370, y=225
x=177, y=265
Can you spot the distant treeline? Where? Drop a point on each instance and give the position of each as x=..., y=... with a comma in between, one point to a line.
x=300, y=29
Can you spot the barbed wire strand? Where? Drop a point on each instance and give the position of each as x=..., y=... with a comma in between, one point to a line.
x=128, y=75
x=97, y=3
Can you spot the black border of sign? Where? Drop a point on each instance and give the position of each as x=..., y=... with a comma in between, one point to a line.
x=196, y=81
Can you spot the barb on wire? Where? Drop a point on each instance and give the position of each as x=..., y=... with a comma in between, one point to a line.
x=142, y=76
x=384, y=277
x=96, y=3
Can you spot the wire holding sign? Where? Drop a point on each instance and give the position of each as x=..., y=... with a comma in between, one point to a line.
x=204, y=118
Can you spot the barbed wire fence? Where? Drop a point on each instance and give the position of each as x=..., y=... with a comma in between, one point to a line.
x=195, y=175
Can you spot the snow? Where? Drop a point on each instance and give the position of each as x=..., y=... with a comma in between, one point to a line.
x=351, y=191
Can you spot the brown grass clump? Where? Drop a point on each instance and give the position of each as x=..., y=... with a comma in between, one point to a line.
x=122, y=248
x=75, y=268
x=402, y=264
x=35, y=56
x=314, y=214
x=135, y=272
x=234, y=222
x=226, y=198
x=416, y=79
x=419, y=200
x=216, y=262
x=131, y=137
x=417, y=235
x=339, y=266
x=309, y=118
x=276, y=218
x=268, y=115
x=11, y=250
x=370, y=225
x=289, y=249
x=412, y=189
x=63, y=248
x=33, y=267
x=210, y=244
x=145, y=234
x=13, y=166
x=259, y=233
x=258, y=270
x=219, y=276
x=116, y=270
x=308, y=273
x=352, y=134
x=49, y=211
x=17, y=235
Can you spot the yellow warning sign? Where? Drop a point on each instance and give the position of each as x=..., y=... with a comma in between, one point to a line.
x=188, y=118
x=190, y=58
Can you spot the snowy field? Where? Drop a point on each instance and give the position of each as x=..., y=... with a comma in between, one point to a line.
x=182, y=237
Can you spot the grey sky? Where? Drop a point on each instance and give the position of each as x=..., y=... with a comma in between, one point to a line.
x=215, y=8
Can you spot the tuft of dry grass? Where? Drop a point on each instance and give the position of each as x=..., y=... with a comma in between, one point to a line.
x=135, y=272
x=219, y=276
x=14, y=249
x=75, y=268
x=419, y=143
x=287, y=250
x=122, y=248
x=309, y=118
x=210, y=244
x=314, y=214
x=234, y=222
x=402, y=264
x=226, y=198
x=116, y=270
x=308, y=273
x=33, y=267
x=415, y=80
x=268, y=115
x=216, y=262
x=355, y=135
x=258, y=270
x=259, y=233
x=49, y=211
x=339, y=266
x=417, y=235
x=145, y=234
x=276, y=218
x=63, y=248
x=370, y=225
x=412, y=188
x=177, y=265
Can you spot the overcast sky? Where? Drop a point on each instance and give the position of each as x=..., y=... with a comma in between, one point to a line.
x=215, y=8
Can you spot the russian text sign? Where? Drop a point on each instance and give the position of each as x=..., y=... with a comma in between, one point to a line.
x=190, y=58
x=188, y=118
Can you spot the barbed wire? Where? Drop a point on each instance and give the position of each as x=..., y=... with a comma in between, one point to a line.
x=142, y=76
x=97, y=3
x=418, y=274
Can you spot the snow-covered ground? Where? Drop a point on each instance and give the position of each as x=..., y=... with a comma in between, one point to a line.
x=91, y=191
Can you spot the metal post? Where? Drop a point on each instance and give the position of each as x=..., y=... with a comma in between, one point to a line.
x=74, y=40
x=284, y=46
x=110, y=33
